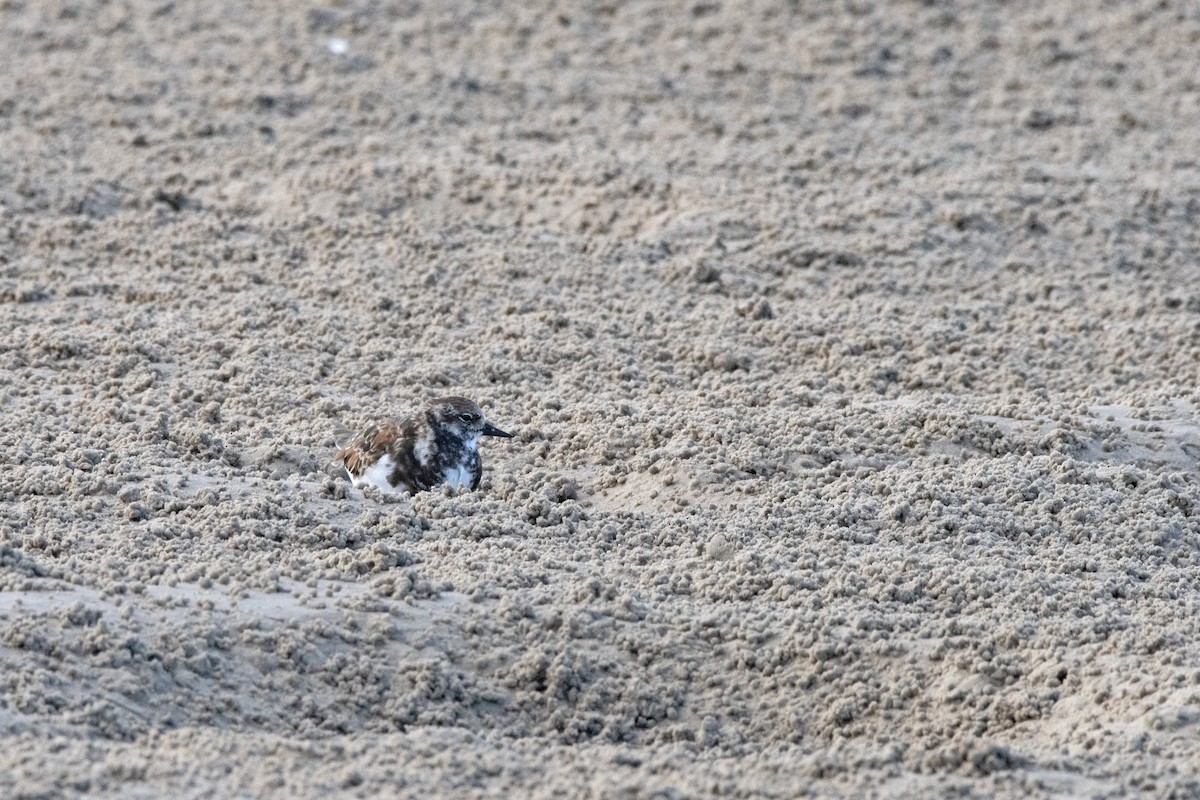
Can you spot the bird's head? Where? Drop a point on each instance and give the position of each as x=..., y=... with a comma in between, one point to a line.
x=462, y=418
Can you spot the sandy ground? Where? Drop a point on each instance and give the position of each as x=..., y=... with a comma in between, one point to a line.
x=852, y=351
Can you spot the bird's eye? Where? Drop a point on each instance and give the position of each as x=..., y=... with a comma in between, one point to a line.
x=466, y=417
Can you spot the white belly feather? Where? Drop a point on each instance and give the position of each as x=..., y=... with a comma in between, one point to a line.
x=458, y=477
x=377, y=475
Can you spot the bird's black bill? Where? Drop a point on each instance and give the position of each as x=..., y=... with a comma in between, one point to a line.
x=491, y=430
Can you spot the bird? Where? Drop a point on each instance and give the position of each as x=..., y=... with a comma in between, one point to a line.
x=436, y=445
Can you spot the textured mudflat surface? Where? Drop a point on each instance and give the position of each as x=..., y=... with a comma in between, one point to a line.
x=853, y=355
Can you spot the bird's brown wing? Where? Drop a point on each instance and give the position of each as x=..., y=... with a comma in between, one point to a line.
x=365, y=449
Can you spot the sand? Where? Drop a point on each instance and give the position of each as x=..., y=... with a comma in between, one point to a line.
x=852, y=352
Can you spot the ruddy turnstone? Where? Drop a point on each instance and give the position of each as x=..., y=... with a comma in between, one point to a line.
x=436, y=445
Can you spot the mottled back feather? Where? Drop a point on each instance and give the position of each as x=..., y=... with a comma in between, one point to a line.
x=365, y=449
